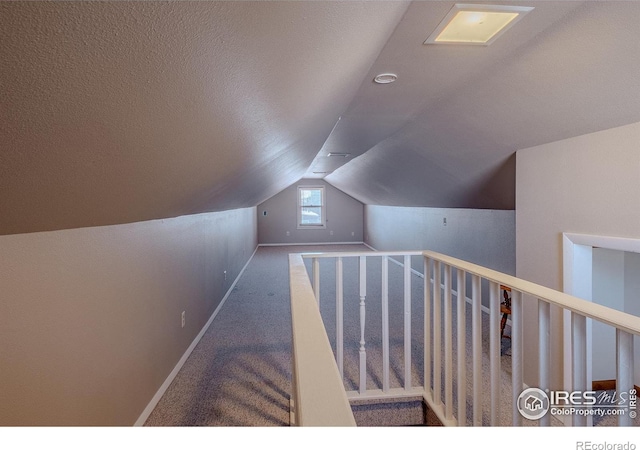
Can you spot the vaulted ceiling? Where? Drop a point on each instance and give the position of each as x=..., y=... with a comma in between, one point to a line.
x=116, y=112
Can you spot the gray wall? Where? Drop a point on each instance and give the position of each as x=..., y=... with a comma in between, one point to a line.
x=480, y=236
x=587, y=184
x=344, y=216
x=90, y=318
x=616, y=284
x=608, y=290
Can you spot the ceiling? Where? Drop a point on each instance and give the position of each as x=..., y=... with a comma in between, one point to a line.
x=116, y=112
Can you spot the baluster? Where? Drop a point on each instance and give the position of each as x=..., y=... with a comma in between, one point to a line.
x=294, y=415
x=437, y=334
x=476, y=330
x=579, y=352
x=544, y=353
x=516, y=354
x=363, y=352
x=339, y=317
x=494, y=350
x=316, y=279
x=462, y=357
x=624, y=371
x=407, y=322
x=448, y=345
x=385, y=324
x=427, y=327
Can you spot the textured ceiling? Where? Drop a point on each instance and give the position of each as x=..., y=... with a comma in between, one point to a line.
x=445, y=133
x=115, y=112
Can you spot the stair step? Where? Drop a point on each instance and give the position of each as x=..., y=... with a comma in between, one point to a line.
x=396, y=413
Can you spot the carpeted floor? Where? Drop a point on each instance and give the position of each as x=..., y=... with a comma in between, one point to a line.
x=239, y=374
x=373, y=340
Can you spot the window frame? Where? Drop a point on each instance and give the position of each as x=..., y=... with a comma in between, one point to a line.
x=322, y=206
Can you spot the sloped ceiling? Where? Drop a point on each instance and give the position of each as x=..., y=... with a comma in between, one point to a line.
x=445, y=133
x=115, y=112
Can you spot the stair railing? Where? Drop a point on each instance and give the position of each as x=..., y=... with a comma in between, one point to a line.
x=438, y=287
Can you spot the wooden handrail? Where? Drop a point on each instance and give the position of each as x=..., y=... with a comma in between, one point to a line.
x=617, y=319
x=310, y=336
x=319, y=395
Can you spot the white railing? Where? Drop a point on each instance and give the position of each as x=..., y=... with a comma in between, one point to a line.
x=438, y=377
x=319, y=398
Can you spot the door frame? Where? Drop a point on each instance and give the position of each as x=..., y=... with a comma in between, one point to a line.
x=577, y=280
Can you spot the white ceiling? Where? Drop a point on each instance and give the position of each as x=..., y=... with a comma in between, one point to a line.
x=115, y=112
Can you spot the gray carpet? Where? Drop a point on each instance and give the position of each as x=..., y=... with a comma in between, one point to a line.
x=239, y=374
x=373, y=335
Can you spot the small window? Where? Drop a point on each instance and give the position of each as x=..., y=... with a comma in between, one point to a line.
x=311, y=207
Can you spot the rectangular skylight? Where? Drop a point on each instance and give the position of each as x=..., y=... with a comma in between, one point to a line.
x=476, y=24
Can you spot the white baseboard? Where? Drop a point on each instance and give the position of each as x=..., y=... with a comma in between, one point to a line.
x=310, y=243
x=370, y=247
x=158, y=395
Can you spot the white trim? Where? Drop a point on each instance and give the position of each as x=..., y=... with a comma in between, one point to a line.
x=292, y=413
x=378, y=394
x=610, y=242
x=357, y=254
x=521, y=11
x=158, y=395
x=284, y=244
x=438, y=410
x=577, y=265
x=617, y=319
x=318, y=388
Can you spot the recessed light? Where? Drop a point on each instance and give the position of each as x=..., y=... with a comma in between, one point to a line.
x=385, y=78
x=339, y=154
x=476, y=24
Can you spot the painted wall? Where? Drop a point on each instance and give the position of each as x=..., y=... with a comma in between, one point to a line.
x=616, y=284
x=344, y=216
x=480, y=236
x=608, y=290
x=587, y=184
x=90, y=318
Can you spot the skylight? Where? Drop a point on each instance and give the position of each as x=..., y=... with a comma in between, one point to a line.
x=476, y=24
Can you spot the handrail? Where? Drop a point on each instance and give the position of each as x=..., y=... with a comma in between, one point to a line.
x=351, y=254
x=319, y=395
x=621, y=320
x=438, y=363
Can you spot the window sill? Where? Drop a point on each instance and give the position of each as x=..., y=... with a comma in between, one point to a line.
x=311, y=227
